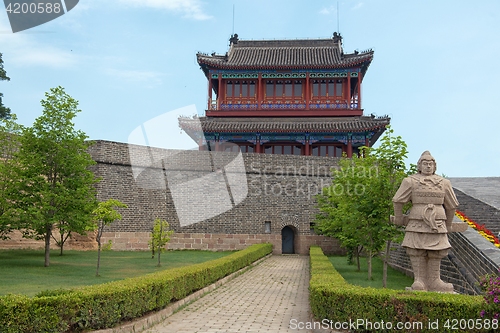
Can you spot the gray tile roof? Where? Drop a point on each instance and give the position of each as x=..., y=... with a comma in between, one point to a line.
x=286, y=54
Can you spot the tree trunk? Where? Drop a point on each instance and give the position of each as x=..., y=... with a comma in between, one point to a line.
x=62, y=244
x=358, y=250
x=48, y=234
x=159, y=253
x=369, y=265
x=159, y=242
x=98, y=239
x=64, y=239
x=98, y=257
x=386, y=259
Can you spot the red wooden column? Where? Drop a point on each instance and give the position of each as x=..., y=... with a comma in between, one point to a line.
x=308, y=93
x=217, y=143
x=349, y=90
x=260, y=95
x=349, y=145
x=367, y=141
x=359, y=89
x=307, y=151
x=209, y=107
x=222, y=92
x=257, y=144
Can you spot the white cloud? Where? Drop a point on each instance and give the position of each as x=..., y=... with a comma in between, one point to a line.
x=44, y=56
x=328, y=10
x=333, y=8
x=357, y=6
x=150, y=77
x=190, y=8
x=23, y=50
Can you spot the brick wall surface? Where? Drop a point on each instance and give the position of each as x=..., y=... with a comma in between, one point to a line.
x=76, y=242
x=479, y=211
x=281, y=189
x=219, y=242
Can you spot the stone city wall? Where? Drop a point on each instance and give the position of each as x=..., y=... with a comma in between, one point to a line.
x=279, y=190
x=76, y=242
x=217, y=242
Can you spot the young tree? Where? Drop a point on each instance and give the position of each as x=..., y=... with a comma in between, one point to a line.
x=160, y=237
x=356, y=208
x=56, y=187
x=390, y=156
x=66, y=228
x=9, y=144
x=329, y=223
x=103, y=215
x=4, y=111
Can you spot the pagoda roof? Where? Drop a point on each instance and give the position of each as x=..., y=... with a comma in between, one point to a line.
x=285, y=54
x=284, y=124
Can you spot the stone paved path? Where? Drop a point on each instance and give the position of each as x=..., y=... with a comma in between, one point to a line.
x=264, y=299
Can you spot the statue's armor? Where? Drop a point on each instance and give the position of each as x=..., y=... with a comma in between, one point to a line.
x=427, y=213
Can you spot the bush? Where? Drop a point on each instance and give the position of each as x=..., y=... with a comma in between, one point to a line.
x=332, y=298
x=105, y=305
x=490, y=285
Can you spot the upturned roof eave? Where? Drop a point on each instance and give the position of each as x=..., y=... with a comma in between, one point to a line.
x=281, y=67
x=349, y=127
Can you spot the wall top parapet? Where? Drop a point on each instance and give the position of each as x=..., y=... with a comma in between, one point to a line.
x=117, y=153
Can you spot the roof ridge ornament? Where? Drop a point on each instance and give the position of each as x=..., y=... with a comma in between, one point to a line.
x=233, y=39
x=337, y=37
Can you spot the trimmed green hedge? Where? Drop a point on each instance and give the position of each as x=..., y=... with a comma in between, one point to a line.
x=105, y=305
x=331, y=297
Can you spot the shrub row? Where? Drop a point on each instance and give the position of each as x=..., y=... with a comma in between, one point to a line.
x=335, y=300
x=105, y=305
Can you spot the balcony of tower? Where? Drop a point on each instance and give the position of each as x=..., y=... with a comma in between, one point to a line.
x=283, y=97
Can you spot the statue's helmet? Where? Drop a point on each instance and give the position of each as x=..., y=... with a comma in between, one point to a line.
x=426, y=156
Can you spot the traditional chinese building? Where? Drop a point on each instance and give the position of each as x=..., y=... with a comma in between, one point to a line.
x=298, y=97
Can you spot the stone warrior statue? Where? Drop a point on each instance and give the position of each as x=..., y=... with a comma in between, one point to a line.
x=428, y=223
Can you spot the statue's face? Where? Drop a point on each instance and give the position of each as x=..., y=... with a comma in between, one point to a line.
x=427, y=167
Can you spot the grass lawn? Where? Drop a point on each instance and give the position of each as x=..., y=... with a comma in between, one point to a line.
x=22, y=271
x=395, y=279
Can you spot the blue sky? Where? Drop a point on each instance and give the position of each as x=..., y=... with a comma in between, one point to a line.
x=434, y=72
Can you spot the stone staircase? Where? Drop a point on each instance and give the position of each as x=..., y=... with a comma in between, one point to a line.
x=479, y=199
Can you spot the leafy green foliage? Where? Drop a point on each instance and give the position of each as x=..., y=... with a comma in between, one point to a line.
x=332, y=298
x=160, y=237
x=9, y=144
x=105, y=305
x=356, y=208
x=56, y=187
x=4, y=111
x=104, y=214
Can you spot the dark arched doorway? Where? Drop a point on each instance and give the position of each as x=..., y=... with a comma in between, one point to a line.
x=287, y=240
